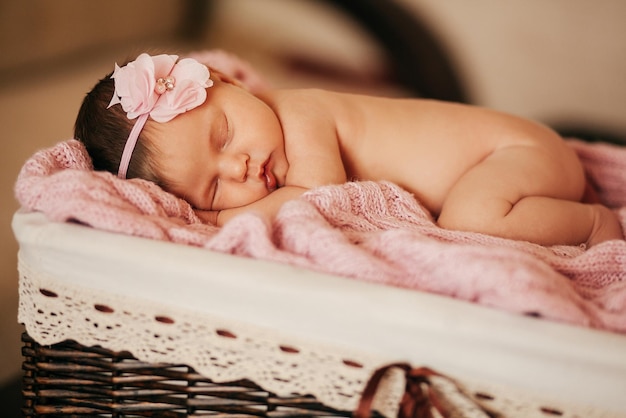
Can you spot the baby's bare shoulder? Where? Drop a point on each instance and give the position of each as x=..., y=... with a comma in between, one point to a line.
x=306, y=102
x=305, y=113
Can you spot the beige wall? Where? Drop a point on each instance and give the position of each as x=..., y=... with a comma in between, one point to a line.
x=558, y=60
x=40, y=29
x=52, y=53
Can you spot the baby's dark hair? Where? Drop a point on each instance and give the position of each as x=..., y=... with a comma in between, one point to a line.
x=104, y=133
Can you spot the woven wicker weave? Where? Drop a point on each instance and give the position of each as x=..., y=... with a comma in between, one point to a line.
x=68, y=379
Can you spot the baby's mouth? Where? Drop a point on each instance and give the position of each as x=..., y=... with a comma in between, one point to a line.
x=270, y=179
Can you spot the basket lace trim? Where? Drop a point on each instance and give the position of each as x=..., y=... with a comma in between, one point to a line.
x=225, y=350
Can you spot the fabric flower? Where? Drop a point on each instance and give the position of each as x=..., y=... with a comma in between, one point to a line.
x=136, y=86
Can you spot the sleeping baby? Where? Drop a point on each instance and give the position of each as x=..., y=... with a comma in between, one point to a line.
x=207, y=138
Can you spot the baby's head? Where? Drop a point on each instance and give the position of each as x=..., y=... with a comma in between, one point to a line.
x=112, y=121
x=203, y=136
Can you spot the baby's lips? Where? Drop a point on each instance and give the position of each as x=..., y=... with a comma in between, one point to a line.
x=270, y=181
x=268, y=176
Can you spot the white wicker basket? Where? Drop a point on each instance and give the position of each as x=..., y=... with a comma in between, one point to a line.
x=293, y=331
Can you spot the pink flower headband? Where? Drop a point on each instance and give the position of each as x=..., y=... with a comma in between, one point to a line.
x=158, y=87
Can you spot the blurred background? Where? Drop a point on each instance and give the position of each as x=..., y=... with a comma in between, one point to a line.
x=561, y=62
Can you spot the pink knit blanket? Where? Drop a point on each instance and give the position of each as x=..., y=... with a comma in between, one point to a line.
x=368, y=231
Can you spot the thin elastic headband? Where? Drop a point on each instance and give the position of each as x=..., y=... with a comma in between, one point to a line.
x=161, y=100
x=131, y=142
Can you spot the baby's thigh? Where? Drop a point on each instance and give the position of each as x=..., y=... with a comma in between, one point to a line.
x=530, y=170
x=492, y=187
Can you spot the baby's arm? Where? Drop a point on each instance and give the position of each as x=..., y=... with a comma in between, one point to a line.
x=269, y=206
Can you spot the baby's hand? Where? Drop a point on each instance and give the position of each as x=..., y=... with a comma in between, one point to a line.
x=268, y=206
x=207, y=216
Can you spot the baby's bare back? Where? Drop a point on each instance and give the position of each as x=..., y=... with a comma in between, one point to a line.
x=427, y=146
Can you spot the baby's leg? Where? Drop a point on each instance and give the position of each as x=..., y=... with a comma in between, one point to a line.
x=524, y=193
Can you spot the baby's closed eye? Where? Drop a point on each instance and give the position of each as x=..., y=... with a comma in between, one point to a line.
x=223, y=133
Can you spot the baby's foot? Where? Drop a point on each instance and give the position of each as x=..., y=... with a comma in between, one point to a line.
x=606, y=226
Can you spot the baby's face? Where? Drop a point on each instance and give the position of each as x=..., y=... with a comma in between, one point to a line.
x=227, y=153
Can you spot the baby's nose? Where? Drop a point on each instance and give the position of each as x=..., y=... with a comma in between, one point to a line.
x=234, y=167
